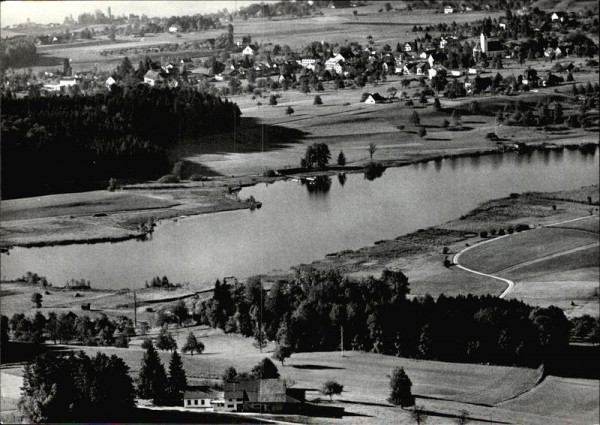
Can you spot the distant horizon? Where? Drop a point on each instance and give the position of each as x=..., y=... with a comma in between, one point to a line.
x=14, y=12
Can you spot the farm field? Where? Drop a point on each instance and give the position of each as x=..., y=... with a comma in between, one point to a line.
x=496, y=257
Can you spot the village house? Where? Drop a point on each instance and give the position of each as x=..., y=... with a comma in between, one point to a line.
x=448, y=9
x=308, y=63
x=374, y=98
x=249, y=50
x=153, y=79
x=437, y=58
x=265, y=396
x=109, y=82
x=200, y=399
x=558, y=16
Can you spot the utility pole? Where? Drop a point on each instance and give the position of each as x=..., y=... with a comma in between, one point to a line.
x=134, y=309
x=342, y=339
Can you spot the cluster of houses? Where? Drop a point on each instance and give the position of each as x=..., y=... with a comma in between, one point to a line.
x=257, y=395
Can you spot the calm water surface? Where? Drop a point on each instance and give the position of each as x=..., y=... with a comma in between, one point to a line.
x=297, y=226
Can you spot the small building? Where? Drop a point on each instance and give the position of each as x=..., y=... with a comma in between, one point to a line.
x=437, y=58
x=448, y=9
x=68, y=82
x=248, y=51
x=374, y=98
x=558, y=16
x=173, y=29
x=153, y=79
x=109, y=82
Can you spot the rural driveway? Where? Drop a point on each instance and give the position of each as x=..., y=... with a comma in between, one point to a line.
x=509, y=282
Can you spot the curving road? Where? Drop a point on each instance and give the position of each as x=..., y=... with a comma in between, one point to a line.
x=510, y=283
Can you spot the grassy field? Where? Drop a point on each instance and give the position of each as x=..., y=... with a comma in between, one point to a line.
x=442, y=389
x=579, y=405
x=495, y=257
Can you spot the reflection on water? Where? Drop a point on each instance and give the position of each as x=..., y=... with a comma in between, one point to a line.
x=342, y=179
x=297, y=226
x=320, y=184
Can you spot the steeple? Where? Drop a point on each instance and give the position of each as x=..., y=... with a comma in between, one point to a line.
x=483, y=42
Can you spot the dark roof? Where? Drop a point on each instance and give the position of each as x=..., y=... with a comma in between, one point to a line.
x=195, y=394
x=263, y=391
x=495, y=46
x=439, y=56
x=376, y=97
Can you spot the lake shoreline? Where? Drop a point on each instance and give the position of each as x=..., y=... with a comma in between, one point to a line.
x=121, y=226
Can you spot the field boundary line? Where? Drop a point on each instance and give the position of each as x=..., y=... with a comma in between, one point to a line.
x=509, y=282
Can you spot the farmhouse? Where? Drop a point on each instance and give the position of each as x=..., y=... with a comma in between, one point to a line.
x=374, y=98
x=199, y=399
x=110, y=81
x=265, y=395
x=448, y=9
x=248, y=51
x=153, y=78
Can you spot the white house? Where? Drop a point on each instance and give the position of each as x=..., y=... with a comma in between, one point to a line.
x=109, y=82
x=448, y=9
x=199, y=400
x=68, y=82
x=249, y=51
x=455, y=73
x=308, y=63
x=153, y=78
x=173, y=29
x=558, y=16
x=374, y=98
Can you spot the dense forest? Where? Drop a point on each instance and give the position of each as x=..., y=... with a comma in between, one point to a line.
x=17, y=52
x=66, y=143
x=309, y=312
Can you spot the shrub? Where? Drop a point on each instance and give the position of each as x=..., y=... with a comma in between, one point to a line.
x=483, y=234
x=522, y=227
x=447, y=262
x=493, y=232
x=446, y=250
x=501, y=232
x=168, y=178
x=510, y=230
x=318, y=100
x=269, y=173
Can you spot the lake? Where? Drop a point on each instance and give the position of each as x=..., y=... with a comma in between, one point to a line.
x=297, y=225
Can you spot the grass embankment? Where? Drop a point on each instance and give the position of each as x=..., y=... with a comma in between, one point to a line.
x=101, y=216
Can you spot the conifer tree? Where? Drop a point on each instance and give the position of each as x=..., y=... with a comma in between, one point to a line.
x=152, y=380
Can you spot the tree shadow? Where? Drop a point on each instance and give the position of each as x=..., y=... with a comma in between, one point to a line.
x=48, y=60
x=251, y=136
x=316, y=367
x=438, y=139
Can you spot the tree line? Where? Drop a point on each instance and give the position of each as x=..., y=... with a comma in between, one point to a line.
x=60, y=143
x=309, y=312
x=68, y=328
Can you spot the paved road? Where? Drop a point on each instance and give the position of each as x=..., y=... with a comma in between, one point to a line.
x=510, y=284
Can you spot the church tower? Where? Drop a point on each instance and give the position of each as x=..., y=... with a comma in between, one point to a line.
x=483, y=42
